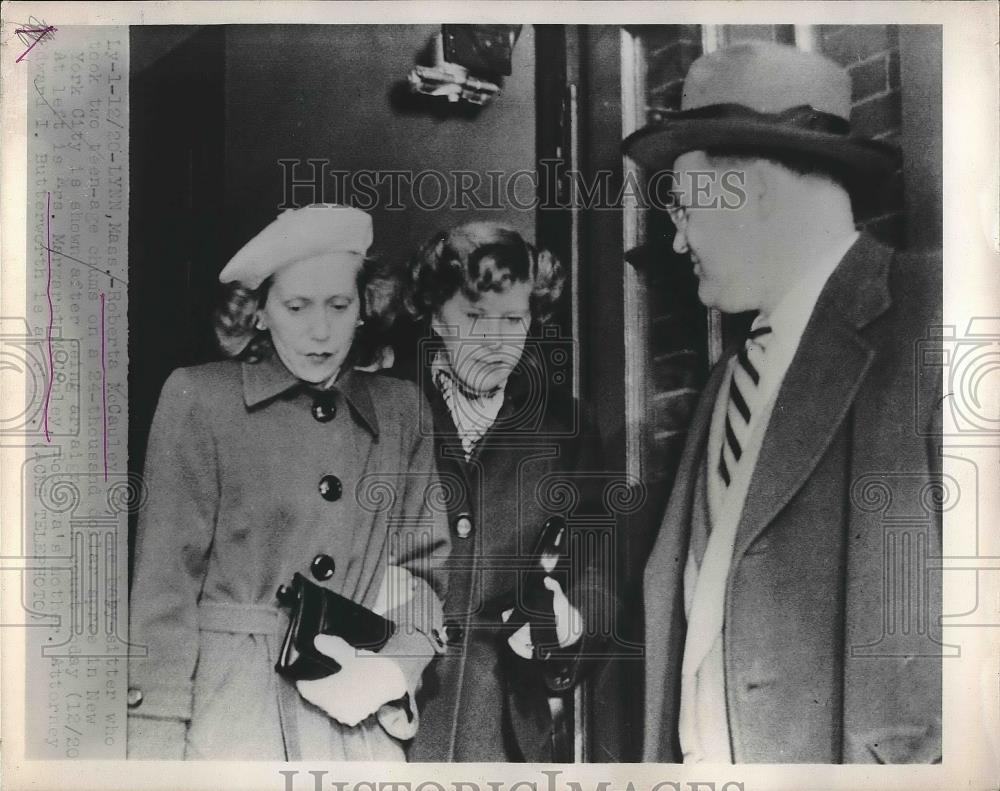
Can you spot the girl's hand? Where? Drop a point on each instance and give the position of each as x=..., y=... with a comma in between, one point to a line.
x=569, y=623
x=366, y=681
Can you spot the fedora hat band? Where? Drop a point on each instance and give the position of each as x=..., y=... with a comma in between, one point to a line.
x=803, y=116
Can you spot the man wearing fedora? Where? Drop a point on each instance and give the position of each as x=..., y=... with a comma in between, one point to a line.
x=767, y=624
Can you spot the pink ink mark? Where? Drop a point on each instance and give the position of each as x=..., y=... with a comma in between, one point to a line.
x=39, y=32
x=48, y=296
x=104, y=389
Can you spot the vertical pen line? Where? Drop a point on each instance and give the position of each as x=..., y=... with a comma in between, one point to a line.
x=48, y=296
x=104, y=391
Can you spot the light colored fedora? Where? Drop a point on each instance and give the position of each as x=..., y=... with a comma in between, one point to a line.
x=765, y=97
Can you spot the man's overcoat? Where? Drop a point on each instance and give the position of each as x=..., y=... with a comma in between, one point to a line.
x=831, y=614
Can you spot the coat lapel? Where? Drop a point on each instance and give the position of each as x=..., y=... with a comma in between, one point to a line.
x=820, y=386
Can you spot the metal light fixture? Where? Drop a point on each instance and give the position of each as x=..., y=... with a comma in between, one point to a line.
x=468, y=63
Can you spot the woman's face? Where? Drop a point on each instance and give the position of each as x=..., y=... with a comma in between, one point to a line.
x=312, y=311
x=484, y=338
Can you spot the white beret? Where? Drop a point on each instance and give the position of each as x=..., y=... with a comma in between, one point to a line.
x=298, y=235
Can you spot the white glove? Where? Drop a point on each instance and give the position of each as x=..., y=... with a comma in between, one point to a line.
x=365, y=682
x=384, y=358
x=569, y=623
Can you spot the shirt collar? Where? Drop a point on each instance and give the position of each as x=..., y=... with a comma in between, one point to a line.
x=522, y=383
x=790, y=316
x=440, y=362
x=268, y=378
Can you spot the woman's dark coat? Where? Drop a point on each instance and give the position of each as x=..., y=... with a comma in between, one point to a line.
x=481, y=702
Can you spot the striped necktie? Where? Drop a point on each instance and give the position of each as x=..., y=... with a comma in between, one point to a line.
x=742, y=401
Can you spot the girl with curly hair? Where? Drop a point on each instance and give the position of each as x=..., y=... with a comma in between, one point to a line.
x=505, y=433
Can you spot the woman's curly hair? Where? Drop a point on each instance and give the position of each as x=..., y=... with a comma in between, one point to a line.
x=478, y=257
x=235, y=319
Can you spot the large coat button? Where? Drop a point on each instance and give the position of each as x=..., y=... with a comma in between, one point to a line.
x=463, y=525
x=324, y=409
x=330, y=488
x=322, y=567
x=134, y=697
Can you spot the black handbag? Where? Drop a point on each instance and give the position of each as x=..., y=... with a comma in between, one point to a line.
x=317, y=610
x=534, y=602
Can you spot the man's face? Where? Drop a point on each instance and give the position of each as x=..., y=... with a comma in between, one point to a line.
x=719, y=226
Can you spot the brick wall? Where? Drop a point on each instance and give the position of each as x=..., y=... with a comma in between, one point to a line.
x=669, y=51
x=870, y=53
x=677, y=336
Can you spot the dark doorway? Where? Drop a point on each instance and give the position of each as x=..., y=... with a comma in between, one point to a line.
x=177, y=137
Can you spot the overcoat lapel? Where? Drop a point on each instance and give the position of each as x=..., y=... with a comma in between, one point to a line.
x=820, y=386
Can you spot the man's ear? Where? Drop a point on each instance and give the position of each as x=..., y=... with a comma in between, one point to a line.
x=763, y=186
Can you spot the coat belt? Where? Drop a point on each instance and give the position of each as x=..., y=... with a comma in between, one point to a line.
x=238, y=618
x=261, y=620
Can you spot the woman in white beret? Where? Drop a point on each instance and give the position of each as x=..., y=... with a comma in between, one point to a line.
x=284, y=460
